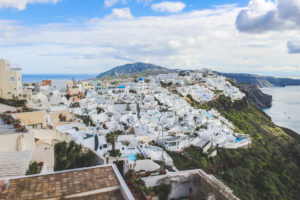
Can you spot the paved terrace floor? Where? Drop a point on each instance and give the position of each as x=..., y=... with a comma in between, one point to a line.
x=92, y=183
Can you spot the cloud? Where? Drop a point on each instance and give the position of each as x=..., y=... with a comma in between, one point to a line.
x=174, y=44
x=189, y=40
x=293, y=47
x=146, y=2
x=289, y=10
x=21, y=4
x=291, y=71
x=168, y=6
x=262, y=16
x=120, y=13
x=265, y=15
x=110, y=3
x=283, y=68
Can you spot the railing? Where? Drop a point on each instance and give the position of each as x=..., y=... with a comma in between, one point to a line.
x=219, y=184
x=16, y=68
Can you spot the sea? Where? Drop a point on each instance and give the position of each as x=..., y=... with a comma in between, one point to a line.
x=285, y=110
x=32, y=78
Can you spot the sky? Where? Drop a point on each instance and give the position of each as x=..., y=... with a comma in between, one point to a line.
x=92, y=36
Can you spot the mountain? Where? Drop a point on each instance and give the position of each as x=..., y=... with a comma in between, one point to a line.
x=261, y=81
x=138, y=68
x=145, y=69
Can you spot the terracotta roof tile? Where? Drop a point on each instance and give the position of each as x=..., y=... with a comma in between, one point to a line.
x=62, y=184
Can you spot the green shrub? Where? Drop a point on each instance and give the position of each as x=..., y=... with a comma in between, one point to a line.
x=33, y=168
x=71, y=155
x=13, y=102
x=163, y=191
x=114, y=153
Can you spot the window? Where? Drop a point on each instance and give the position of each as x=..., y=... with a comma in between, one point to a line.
x=11, y=79
x=15, y=88
x=172, y=143
x=19, y=78
x=105, y=146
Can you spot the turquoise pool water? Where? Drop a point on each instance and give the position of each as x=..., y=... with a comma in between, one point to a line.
x=239, y=139
x=131, y=157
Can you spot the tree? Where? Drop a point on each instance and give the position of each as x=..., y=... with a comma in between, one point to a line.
x=33, y=168
x=112, y=137
x=163, y=191
x=99, y=110
x=195, y=119
x=71, y=155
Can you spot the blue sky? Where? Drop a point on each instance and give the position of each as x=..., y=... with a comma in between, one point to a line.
x=66, y=10
x=91, y=36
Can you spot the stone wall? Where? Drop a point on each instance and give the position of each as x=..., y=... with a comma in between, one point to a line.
x=194, y=184
x=17, y=142
x=51, y=136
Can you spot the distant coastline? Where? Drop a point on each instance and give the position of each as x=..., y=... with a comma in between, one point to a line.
x=262, y=81
x=31, y=78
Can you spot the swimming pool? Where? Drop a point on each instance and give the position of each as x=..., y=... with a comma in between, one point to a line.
x=131, y=157
x=238, y=139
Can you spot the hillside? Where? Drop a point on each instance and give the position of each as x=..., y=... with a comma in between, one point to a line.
x=135, y=69
x=255, y=95
x=267, y=170
x=261, y=81
x=146, y=69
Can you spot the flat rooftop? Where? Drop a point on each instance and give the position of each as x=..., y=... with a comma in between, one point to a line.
x=101, y=182
x=5, y=108
x=7, y=130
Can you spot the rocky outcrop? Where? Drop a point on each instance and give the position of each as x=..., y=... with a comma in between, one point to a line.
x=256, y=96
x=223, y=103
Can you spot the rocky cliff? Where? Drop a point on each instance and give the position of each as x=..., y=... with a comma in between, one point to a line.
x=256, y=96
